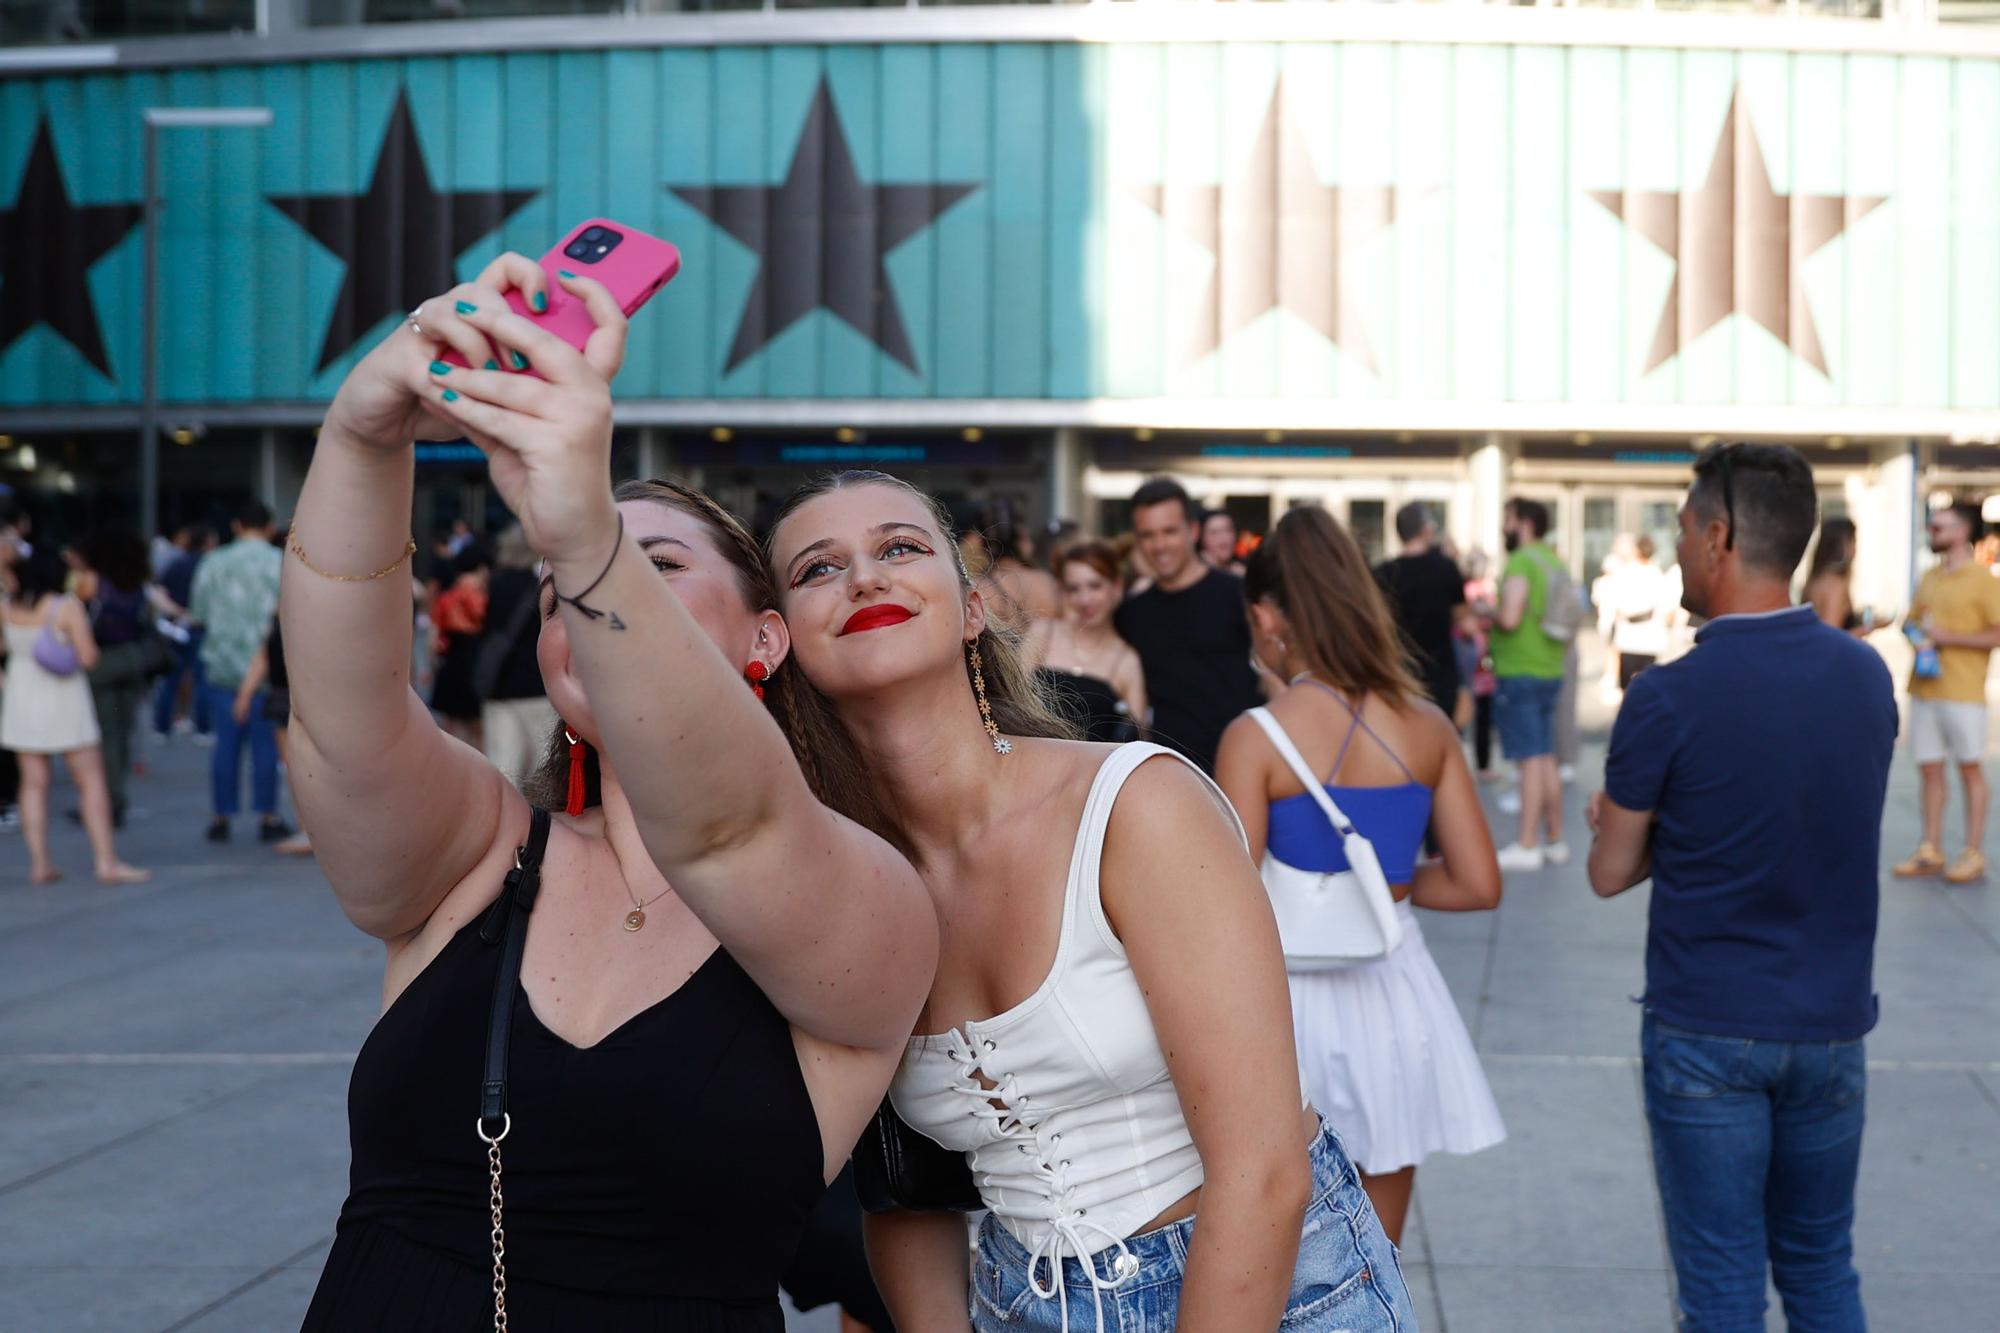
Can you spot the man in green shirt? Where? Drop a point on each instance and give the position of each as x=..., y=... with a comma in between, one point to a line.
x=1528, y=666
x=234, y=598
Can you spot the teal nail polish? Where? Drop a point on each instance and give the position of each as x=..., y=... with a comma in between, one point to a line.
x=541, y=302
x=493, y=365
x=451, y=395
x=466, y=308
x=440, y=368
x=520, y=362
x=567, y=274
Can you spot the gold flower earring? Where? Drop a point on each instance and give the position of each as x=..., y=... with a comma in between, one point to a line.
x=1001, y=745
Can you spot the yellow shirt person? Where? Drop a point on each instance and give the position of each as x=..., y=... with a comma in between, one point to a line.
x=1956, y=612
x=1965, y=600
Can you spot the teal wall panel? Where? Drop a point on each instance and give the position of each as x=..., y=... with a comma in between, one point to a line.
x=1426, y=223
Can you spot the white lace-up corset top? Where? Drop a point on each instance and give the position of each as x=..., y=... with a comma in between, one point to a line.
x=1079, y=1140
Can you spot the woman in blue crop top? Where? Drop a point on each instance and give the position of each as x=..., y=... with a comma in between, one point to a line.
x=1383, y=1051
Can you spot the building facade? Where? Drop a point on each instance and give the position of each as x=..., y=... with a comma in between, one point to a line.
x=1346, y=255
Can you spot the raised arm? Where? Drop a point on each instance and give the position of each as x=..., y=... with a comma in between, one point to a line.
x=829, y=920
x=1198, y=930
x=399, y=811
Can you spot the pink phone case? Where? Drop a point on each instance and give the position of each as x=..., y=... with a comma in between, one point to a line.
x=636, y=267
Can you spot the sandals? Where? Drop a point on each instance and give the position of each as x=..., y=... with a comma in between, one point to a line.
x=1927, y=861
x=1967, y=867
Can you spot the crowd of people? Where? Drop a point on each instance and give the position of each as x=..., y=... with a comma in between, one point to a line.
x=1082, y=883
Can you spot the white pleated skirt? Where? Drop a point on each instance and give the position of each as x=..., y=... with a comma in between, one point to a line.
x=1387, y=1060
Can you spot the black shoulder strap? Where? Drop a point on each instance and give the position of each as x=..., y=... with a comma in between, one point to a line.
x=509, y=913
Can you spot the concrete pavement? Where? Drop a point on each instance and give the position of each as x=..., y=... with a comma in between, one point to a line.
x=173, y=1065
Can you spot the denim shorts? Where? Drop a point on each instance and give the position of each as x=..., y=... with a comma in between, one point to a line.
x=1347, y=1276
x=1524, y=711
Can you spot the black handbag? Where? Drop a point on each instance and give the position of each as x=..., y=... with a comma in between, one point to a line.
x=156, y=654
x=897, y=1168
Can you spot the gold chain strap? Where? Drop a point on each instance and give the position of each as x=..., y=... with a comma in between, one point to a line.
x=292, y=545
x=499, y=1230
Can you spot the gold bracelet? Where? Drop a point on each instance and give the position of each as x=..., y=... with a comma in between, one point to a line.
x=292, y=545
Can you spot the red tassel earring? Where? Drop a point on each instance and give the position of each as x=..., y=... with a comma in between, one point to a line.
x=757, y=673
x=574, y=805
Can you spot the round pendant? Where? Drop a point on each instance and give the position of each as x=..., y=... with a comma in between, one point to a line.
x=634, y=919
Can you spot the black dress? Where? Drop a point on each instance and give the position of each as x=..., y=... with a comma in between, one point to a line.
x=1090, y=704
x=657, y=1181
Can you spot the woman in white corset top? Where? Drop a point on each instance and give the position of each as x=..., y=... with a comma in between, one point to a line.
x=1109, y=1038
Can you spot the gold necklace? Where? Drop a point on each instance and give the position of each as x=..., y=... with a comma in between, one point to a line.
x=636, y=918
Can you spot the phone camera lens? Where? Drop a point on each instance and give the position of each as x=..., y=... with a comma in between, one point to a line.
x=593, y=243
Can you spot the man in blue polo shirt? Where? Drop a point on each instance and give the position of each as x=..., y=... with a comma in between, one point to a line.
x=1747, y=780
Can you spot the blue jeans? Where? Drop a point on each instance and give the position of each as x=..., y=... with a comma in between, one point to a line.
x=1756, y=1145
x=1524, y=711
x=1347, y=1276
x=226, y=764
x=187, y=661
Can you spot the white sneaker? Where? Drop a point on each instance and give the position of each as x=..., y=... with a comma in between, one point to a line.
x=1516, y=857
x=204, y=740
x=1509, y=802
x=1566, y=774
x=1556, y=853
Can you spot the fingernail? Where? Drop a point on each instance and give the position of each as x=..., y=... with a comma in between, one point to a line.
x=541, y=302
x=567, y=274
x=467, y=308
x=451, y=395
x=520, y=362
x=493, y=365
x=440, y=368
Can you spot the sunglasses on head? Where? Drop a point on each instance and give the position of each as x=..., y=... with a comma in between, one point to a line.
x=1724, y=463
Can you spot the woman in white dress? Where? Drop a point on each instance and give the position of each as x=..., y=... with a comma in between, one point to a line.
x=43, y=715
x=1381, y=1047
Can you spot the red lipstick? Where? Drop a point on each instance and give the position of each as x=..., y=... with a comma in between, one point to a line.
x=875, y=617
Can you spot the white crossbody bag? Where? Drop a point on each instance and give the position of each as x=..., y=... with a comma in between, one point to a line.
x=1328, y=920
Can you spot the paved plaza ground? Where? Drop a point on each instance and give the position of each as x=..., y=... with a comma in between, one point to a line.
x=174, y=1060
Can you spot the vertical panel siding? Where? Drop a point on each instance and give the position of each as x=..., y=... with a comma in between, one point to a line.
x=1105, y=180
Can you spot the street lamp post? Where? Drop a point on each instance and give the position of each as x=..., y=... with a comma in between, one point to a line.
x=157, y=119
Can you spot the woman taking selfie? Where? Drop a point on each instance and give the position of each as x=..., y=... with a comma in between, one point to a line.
x=718, y=970
x=1109, y=1037
x=1385, y=1055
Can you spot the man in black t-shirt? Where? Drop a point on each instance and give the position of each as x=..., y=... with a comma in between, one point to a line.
x=1426, y=595
x=1190, y=629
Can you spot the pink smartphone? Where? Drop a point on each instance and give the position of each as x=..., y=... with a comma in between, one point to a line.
x=631, y=264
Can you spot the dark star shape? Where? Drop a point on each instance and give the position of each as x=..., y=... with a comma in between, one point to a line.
x=1743, y=247
x=400, y=238
x=47, y=246
x=1278, y=234
x=821, y=238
